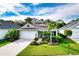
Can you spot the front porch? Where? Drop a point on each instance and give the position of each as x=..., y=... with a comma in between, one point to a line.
x=47, y=34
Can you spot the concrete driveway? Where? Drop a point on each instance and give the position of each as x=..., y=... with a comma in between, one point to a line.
x=14, y=48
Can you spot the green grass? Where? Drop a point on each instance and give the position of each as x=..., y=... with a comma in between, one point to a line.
x=4, y=42
x=50, y=50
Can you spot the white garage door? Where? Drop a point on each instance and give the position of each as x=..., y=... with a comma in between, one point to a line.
x=2, y=33
x=28, y=34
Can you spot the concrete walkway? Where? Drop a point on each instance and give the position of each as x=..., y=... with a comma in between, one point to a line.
x=14, y=48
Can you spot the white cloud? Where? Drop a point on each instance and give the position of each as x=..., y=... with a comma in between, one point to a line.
x=14, y=7
x=20, y=8
x=59, y=11
x=53, y=13
x=2, y=10
x=45, y=11
x=35, y=4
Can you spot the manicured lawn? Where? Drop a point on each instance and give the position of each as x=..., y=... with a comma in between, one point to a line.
x=50, y=50
x=66, y=47
x=4, y=42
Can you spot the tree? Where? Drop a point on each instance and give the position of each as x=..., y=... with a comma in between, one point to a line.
x=60, y=23
x=41, y=19
x=20, y=22
x=29, y=20
x=68, y=32
x=77, y=19
x=51, y=25
x=48, y=21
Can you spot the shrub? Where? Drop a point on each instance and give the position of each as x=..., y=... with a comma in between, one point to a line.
x=35, y=39
x=68, y=32
x=62, y=35
x=55, y=40
x=44, y=42
x=34, y=43
x=12, y=34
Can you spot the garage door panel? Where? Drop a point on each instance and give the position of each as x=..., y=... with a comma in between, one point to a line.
x=27, y=34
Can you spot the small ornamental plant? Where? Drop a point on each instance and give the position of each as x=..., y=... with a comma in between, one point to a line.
x=68, y=32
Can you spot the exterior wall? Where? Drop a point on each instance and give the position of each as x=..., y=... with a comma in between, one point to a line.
x=61, y=31
x=75, y=34
x=2, y=33
x=31, y=34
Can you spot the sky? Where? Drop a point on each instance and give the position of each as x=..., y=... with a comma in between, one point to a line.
x=52, y=11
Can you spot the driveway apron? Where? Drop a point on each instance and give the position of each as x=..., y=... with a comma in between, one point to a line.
x=15, y=47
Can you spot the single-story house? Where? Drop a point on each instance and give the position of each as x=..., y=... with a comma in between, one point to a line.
x=28, y=31
x=74, y=27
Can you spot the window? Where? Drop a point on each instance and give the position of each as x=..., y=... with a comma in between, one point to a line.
x=27, y=25
x=39, y=34
x=53, y=33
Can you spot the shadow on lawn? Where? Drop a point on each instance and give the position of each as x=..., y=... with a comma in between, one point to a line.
x=69, y=47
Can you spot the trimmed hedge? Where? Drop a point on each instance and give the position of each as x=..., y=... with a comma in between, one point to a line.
x=62, y=35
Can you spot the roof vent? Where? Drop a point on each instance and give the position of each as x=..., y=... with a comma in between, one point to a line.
x=0, y=23
x=27, y=25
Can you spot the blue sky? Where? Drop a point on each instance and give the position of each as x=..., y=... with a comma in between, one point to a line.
x=53, y=11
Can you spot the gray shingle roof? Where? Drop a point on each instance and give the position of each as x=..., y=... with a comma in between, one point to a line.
x=8, y=25
x=69, y=25
x=40, y=25
x=34, y=26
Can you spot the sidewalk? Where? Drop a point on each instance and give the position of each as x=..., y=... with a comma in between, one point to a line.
x=14, y=48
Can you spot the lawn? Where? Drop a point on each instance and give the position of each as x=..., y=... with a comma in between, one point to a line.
x=50, y=50
x=65, y=47
x=4, y=42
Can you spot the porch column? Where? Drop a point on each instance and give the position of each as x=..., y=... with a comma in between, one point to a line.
x=50, y=36
x=56, y=32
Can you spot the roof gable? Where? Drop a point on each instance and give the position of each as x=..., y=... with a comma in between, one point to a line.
x=28, y=26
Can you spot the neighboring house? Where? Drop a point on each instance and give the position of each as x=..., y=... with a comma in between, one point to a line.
x=5, y=26
x=74, y=27
x=28, y=31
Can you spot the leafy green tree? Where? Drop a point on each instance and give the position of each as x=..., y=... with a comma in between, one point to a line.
x=42, y=19
x=51, y=25
x=29, y=20
x=48, y=21
x=77, y=19
x=20, y=22
x=60, y=23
